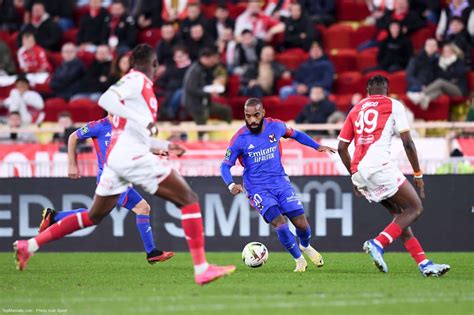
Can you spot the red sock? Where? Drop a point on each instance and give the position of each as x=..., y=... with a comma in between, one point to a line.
x=191, y=220
x=391, y=233
x=64, y=227
x=415, y=250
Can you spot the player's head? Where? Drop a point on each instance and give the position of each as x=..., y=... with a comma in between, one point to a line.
x=377, y=85
x=254, y=114
x=143, y=59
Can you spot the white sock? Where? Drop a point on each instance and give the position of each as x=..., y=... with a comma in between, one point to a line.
x=301, y=258
x=32, y=245
x=378, y=243
x=201, y=268
x=423, y=262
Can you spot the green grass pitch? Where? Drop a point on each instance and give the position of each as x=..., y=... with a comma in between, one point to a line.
x=123, y=283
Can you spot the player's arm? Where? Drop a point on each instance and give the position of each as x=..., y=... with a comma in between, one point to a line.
x=158, y=147
x=401, y=124
x=306, y=140
x=343, y=150
x=231, y=156
x=111, y=102
x=73, y=170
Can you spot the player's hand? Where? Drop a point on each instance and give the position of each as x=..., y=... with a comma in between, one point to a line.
x=357, y=191
x=176, y=149
x=420, y=184
x=237, y=189
x=323, y=148
x=161, y=153
x=73, y=172
x=153, y=129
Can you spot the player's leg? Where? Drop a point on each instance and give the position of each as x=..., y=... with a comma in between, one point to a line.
x=134, y=202
x=50, y=216
x=273, y=216
x=175, y=189
x=303, y=231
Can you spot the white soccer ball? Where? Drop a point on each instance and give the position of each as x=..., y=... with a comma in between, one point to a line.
x=255, y=254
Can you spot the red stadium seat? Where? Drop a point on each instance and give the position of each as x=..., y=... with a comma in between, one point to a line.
x=351, y=10
x=78, y=13
x=362, y=33
x=367, y=59
x=5, y=91
x=84, y=109
x=292, y=58
x=237, y=105
x=291, y=107
x=397, y=82
x=233, y=85
x=348, y=83
x=150, y=36
x=86, y=57
x=283, y=82
x=52, y=107
x=337, y=36
x=344, y=59
x=438, y=109
x=419, y=37
x=70, y=36
x=236, y=9
x=54, y=59
x=342, y=101
x=208, y=10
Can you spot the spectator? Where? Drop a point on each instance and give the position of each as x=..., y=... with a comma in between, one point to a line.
x=60, y=11
x=321, y=11
x=450, y=77
x=220, y=22
x=299, y=30
x=194, y=17
x=427, y=9
x=150, y=14
x=459, y=36
x=66, y=124
x=318, y=70
x=32, y=57
x=10, y=19
x=14, y=122
x=318, y=110
x=174, y=10
x=7, y=66
x=377, y=9
x=421, y=69
x=123, y=32
x=27, y=103
x=66, y=80
x=262, y=26
x=120, y=67
x=47, y=32
x=96, y=80
x=171, y=82
x=395, y=51
x=260, y=78
x=226, y=46
x=93, y=28
x=198, y=40
x=409, y=20
x=457, y=8
x=164, y=49
x=196, y=100
x=246, y=52
x=278, y=9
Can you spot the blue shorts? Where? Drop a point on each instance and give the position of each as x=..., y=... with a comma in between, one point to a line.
x=281, y=195
x=129, y=199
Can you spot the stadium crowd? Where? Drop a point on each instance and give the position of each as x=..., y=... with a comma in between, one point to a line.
x=308, y=59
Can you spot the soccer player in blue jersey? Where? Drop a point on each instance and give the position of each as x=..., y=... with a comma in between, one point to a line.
x=257, y=146
x=100, y=132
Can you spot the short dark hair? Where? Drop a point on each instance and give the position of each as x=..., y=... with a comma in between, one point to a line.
x=207, y=52
x=22, y=78
x=377, y=85
x=457, y=18
x=222, y=6
x=253, y=102
x=317, y=43
x=64, y=113
x=180, y=48
x=141, y=55
x=14, y=113
x=246, y=31
x=28, y=33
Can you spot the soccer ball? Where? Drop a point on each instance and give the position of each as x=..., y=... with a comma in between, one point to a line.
x=255, y=254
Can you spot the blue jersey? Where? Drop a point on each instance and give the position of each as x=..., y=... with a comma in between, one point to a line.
x=260, y=155
x=100, y=131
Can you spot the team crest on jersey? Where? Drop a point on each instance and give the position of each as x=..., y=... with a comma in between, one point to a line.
x=84, y=129
x=119, y=83
x=272, y=138
x=228, y=154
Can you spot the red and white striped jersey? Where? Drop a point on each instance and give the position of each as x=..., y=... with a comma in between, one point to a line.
x=371, y=124
x=135, y=90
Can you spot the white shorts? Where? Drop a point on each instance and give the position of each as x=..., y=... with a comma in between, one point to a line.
x=146, y=171
x=380, y=183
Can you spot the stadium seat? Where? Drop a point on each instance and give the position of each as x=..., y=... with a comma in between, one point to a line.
x=362, y=33
x=54, y=59
x=236, y=9
x=70, y=36
x=419, y=37
x=351, y=10
x=233, y=85
x=237, y=105
x=337, y=36
x=208, y=10
x=397, y=82
x=283, y=82
x=78, y=13
x=149, y=36
x=5, y=91
x=86, y=57
x=438, y=109
x=84, y=109
x=291, y=107
x=344, y=59
x=348, y=83
x=342, y=101
x=52, y=107
x=367, y=59
x=292, y=58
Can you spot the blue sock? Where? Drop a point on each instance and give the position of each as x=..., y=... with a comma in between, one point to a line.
x=65, y=213
x=304, y=236
x=288, y=240
x=144, y=227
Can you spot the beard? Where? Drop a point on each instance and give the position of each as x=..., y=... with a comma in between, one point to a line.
x=255, y=128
